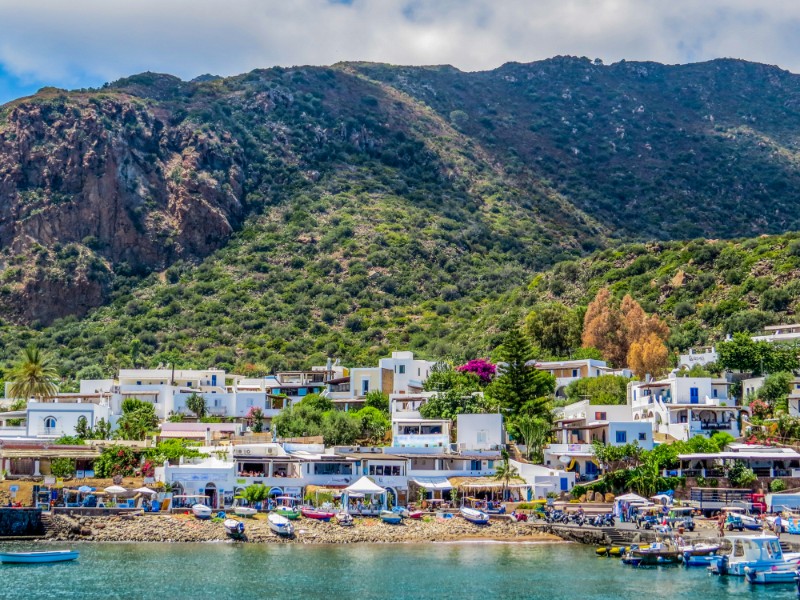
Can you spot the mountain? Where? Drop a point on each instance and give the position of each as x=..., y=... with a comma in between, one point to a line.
x=287, y=215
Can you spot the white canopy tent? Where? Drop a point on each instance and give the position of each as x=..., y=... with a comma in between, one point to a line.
x=364, y=487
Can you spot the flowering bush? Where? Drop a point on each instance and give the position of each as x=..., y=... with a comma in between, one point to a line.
x=255, y=419
x=760, y=409
x=481, y=367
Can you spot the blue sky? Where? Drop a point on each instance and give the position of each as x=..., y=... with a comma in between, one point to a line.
x=83, y=43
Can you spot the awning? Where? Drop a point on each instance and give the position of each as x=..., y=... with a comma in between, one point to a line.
x=365, y=486
x=486, y=483
x=183, y=434
x=432, y=483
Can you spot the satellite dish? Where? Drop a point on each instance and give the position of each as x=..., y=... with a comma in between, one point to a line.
x=564, y=460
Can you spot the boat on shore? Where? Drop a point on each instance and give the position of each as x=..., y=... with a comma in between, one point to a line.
x=280, y=525
x=287, y=508
x=345, y=519
x=240, y=510
x=310, y=512
x=201, y=511
x=402, y=511
x=49, y=556
x=234, y=528
x=473, y=515
x=415, y=514
x=393, y=518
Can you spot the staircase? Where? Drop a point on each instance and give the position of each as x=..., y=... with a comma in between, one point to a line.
x=616, y=537
x=515, y=453
x=48, y=525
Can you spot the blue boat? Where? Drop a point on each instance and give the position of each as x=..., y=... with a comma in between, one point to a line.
x=474, y=516
x=38, y=557
x=390, y=517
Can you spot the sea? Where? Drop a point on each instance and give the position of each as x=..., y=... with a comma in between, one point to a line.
x=462, y=570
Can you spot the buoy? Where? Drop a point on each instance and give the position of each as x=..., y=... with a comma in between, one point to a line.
x=601, y=551
x=615, y=551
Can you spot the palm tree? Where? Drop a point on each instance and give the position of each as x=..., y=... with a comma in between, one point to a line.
x=33, y=375
x=505, y=472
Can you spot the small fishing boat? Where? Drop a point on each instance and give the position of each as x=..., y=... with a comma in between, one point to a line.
x=345, y=519
x=402, y=511
x=310, y=512
x=415, y=514
x=287, y=508
x=38, y=557
x=700, y=549
x=759, y=553
x=241, y=510
x=280, y=525
x=201, y=511
x=387, y=516
x=234, y=528
x=654, y=555
x=474, y=515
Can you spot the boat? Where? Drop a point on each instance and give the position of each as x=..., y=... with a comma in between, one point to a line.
x=310, y=512
x=415, y=514
x=402, y=511
x=48, y=556
x=345, y=519
x=770, y=576
x=280, y=525
x=700, y=549
x=243, y=511
x=387, y=516
x=654, y=554
x=201, y=511
x=234, y=528
x=757, y=552
x=287, y=507
x=474, y=515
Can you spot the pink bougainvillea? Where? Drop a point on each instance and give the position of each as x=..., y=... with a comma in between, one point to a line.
x=481, y=367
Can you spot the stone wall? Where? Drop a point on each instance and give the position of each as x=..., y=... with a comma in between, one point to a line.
x=21, y=522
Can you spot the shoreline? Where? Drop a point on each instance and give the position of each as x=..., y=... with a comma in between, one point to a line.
x=186, y=529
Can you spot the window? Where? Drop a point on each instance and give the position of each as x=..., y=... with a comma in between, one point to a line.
x=50, y=422
x=419, y=371
x=600, y=416
x=574, y=372
x=482, y=435
x=714, y=392
x=622, y=437
x=642, y=437
x=364, y=387
x=401, y=369
x=474, y=465
x=333, y=469
x=597, y=373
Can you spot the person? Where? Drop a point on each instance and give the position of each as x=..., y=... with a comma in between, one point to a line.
x=778, y=526
x=721, y=524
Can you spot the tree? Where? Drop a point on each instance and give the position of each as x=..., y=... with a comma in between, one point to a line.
x=606, y=389
x=776, y=389
x=603, y=328
x=340, y=428
x=520, y=387
x=255, y=419
x=62, y=467
x=172, y=450
x=481, y=367
x=254, y=494
x=33, y=375
x=554, y=328
x=536, y=433
x=740, y=475
x=377, y=399
x=374, y=424
x=197, y=404
x=505, y=472
x=743, y=354
x=116, y=460
x=82, y=429
x=648, y=355
x=638, y=325
x=137, y=420
x=69, y=440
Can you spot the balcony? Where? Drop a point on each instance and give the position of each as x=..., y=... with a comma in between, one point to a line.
x=570, y=449
x=714, y=426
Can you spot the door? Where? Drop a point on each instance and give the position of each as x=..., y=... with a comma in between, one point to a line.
x=694, y=396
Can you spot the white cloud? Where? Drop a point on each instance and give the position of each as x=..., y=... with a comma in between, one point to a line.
x=70, y=43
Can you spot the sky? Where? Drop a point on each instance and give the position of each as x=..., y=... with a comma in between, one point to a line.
x=85, y=43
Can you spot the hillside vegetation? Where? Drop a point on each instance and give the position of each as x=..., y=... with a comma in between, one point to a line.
x=280, y=217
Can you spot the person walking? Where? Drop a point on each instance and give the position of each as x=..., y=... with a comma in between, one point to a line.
x=778, y=526
x=721, y=524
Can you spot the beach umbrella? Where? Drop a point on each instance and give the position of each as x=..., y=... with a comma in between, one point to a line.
x=114, y=490
x=84, y=489
x=145, y=490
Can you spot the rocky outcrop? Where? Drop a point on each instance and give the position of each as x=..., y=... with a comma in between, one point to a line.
x=93, y=185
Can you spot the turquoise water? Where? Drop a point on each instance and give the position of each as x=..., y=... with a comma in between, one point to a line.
x=439, y=571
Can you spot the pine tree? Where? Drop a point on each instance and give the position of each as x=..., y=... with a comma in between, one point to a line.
x=520, y=387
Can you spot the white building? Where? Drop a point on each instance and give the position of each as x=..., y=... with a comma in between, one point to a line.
x=779, y=333
x=480, y=432
x=567, y=371
x=702, y=356
x=409, y=373
x=682, y=407
x=420, y=433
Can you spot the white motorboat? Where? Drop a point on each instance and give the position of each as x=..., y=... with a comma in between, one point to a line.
x=38, y=557
x=234, y=528
x=244, y=511
x=280, y=525
x=201, y=511
x=345, y=519
x=756, y=552
x=473, y=515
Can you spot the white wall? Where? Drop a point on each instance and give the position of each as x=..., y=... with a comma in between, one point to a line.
x=480, y=432
x=66, y=417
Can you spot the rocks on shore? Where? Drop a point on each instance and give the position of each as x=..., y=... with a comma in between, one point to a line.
x=184, y=528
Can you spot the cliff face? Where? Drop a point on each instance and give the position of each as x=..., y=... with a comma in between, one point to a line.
x=110, y=181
